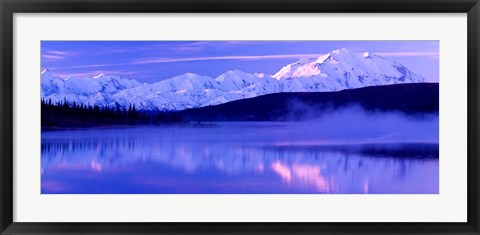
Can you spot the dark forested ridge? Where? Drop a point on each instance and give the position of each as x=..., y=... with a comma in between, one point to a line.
x=411, y=99
x=65, y=115
x=407, y=98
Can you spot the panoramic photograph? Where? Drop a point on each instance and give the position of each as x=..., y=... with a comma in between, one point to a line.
x=239, y=117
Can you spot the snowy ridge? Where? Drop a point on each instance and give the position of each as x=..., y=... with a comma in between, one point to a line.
x=96, y=90
x=338, y=70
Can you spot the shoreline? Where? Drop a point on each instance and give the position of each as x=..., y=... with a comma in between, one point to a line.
x=107, y=127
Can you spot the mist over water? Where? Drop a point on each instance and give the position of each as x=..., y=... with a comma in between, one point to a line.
x=346, y=151
x=238, y=169
x=354, y=124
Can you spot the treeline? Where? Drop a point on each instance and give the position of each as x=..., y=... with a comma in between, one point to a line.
x=72, y=115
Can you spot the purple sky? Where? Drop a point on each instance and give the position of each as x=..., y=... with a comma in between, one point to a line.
x=151, y=61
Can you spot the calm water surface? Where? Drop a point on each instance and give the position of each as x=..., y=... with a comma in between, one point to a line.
x=237, y=158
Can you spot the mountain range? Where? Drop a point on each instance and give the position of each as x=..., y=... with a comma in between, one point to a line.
x=338, y=70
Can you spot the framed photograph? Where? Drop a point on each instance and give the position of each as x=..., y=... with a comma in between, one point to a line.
x=262, y=117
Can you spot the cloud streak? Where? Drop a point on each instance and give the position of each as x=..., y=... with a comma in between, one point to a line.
x=188, y=59
x=408, y=54
x=94, y=73
x=55, y=52
x=179, y=47
x=236, y=57
x=53, y=55
x=239, y=57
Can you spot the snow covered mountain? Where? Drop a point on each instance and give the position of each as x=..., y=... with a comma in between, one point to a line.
x=96, y=90
x=337, y=70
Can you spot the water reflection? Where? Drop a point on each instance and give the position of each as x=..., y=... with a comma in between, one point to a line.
x=229, y=160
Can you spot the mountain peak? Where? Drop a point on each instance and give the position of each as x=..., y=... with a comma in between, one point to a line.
x=259, y=75
x=235, y=71
x=45, y=71
x=305, y=60
x=231, y=74
x=354, y=68
x=343, y=51
x=322, y=58
x=100, y=75
x=188, y=76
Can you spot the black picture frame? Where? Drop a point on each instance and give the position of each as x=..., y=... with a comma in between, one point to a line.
x=9, y=7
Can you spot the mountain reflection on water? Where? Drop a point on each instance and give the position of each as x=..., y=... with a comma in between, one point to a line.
x=231, y=159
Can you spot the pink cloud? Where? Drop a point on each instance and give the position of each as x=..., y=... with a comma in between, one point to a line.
x=240, y=57
x=55, y=54
x=159, y=60
x=171, y=60
x=94, y=65
x=408, y=54
x=52, y=57
x=94, y=73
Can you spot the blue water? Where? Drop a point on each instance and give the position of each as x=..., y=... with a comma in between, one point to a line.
x=270, y=157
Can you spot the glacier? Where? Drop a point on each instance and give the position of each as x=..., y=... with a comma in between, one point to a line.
x=337, y=70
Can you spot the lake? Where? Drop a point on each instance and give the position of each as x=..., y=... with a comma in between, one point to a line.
x=243, y=158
